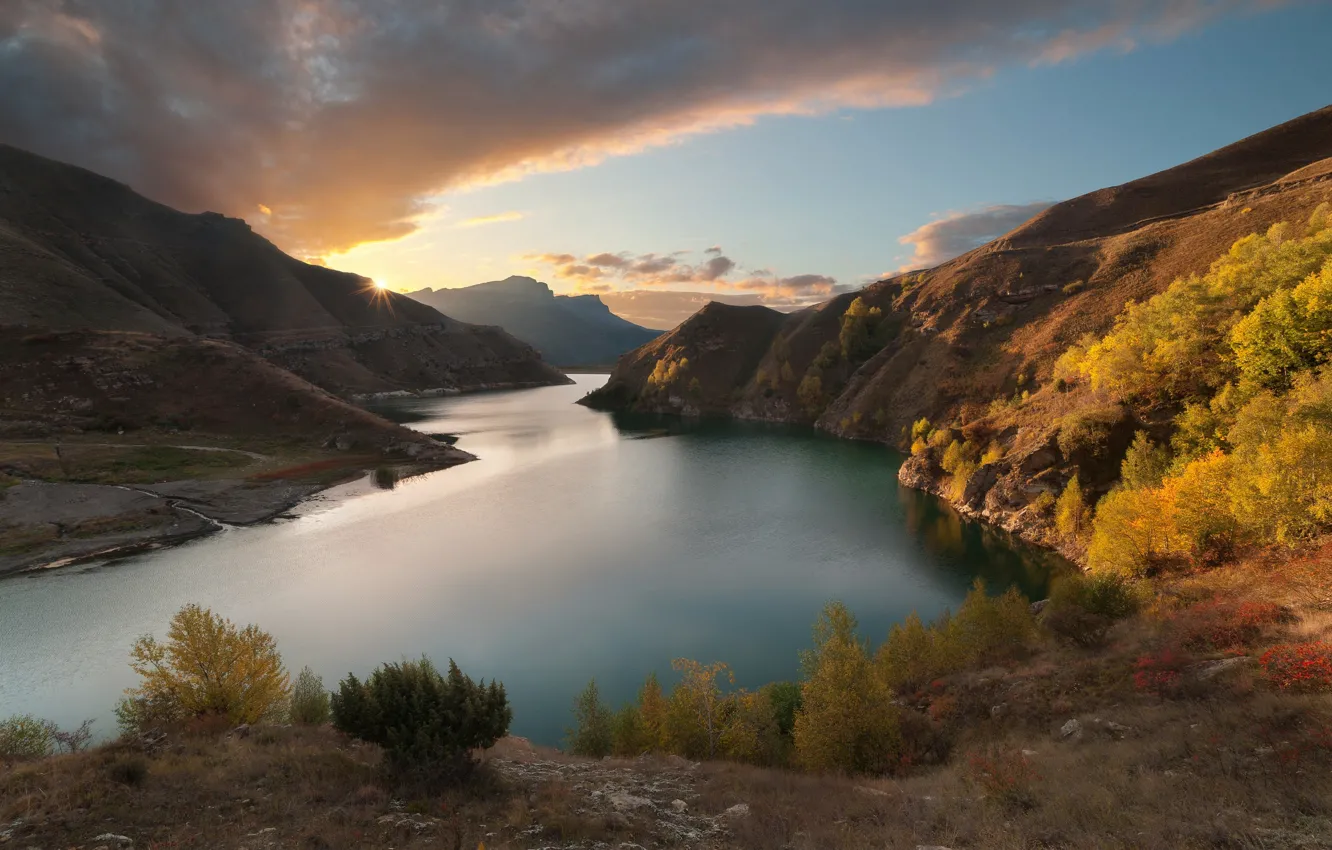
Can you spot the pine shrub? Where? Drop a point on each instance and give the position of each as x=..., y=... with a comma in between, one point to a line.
x=428, y=724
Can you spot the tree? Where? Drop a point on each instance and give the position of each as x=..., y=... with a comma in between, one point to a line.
x=810, y=393
x=309, y=700
x=1145, y=463
x=652, y=713
x=628, y=736
x=858, y=325
x=593, y=731
x=1071, y=515
x=428, y=724
x=693, y=720
x=847, y=721
x=207, y=666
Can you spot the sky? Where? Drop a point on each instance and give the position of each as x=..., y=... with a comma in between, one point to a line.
x=659, y=154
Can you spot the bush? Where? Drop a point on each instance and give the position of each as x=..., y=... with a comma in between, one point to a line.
x=24, y=738
x=1003, y=774
x=1082, y=608
x=128, y=770
x=1224, y=624
x=206, y=666
x=1159, y=673
x=1305, y=667
x=1086, y=433
x=593, y=731
x=428, y=724
x=309, y=699
x=984, y=630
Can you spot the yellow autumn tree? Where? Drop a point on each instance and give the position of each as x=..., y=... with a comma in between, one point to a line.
x=652, y=713
x=693, y=717
x=847, y=721
x=208, y=666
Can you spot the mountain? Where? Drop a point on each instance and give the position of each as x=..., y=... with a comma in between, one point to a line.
x=81, y=251
x=571, y=330
x=948, y=344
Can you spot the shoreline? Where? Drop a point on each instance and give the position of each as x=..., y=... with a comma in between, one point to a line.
x=136, y=519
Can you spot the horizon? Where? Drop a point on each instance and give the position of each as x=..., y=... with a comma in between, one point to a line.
x=660, y=171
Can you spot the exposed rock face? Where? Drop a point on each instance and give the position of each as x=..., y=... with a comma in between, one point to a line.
x=974, y=340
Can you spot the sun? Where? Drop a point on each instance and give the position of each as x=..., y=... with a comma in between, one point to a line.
x=381, y=283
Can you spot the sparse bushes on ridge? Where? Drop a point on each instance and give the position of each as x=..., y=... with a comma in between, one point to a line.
x=427, y=723
x=24, y=737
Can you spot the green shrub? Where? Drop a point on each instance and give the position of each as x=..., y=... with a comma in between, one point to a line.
x=1082, y=608
x=24, y=738
x=594, y=725
x=309, y=700
x=986, y=629
x=1086, y=433
x=428, y=724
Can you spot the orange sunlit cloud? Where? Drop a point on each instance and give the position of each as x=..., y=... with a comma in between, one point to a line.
x=499, y=218
x=260, y=103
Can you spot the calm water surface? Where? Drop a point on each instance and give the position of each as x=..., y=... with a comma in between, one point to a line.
x=580, y=545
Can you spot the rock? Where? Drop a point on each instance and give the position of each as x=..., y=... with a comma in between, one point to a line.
x=679, y=806
x=617, y=821
x=622, y=802
x=1072, y=730
x=1039, y=606
x=265, y=831
x=739, y=810
x=998, y=710
x=1117, y=728
x=1041, y=458
x=931, y=847
x=1211, y=669
x=981, y=482
x=241, y=731
x=112, y=838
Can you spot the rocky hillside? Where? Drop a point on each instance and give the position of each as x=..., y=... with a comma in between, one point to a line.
x=80, y=251
x=946, y=343
x=569, y=330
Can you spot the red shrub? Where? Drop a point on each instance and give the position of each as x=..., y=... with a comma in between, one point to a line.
x=1299, y=666
x=1224, y=624
x=1158, y=673
x=1006, y=774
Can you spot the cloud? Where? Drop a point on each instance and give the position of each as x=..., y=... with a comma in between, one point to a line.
x=350, y=118
x=664, y=309
x=498, y=218
x=663, y=287
x=958, y=233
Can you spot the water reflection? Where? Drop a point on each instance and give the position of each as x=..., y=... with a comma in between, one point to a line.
x=580, y=544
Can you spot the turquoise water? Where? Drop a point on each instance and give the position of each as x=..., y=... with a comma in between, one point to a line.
x=581, y=544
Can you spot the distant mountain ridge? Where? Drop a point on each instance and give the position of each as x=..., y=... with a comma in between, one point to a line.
x=79, y=251
x=568, y=330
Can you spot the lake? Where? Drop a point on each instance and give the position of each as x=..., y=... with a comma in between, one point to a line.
x=581, y=544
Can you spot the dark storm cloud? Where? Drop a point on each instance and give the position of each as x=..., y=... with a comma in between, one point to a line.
x=345, y=118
